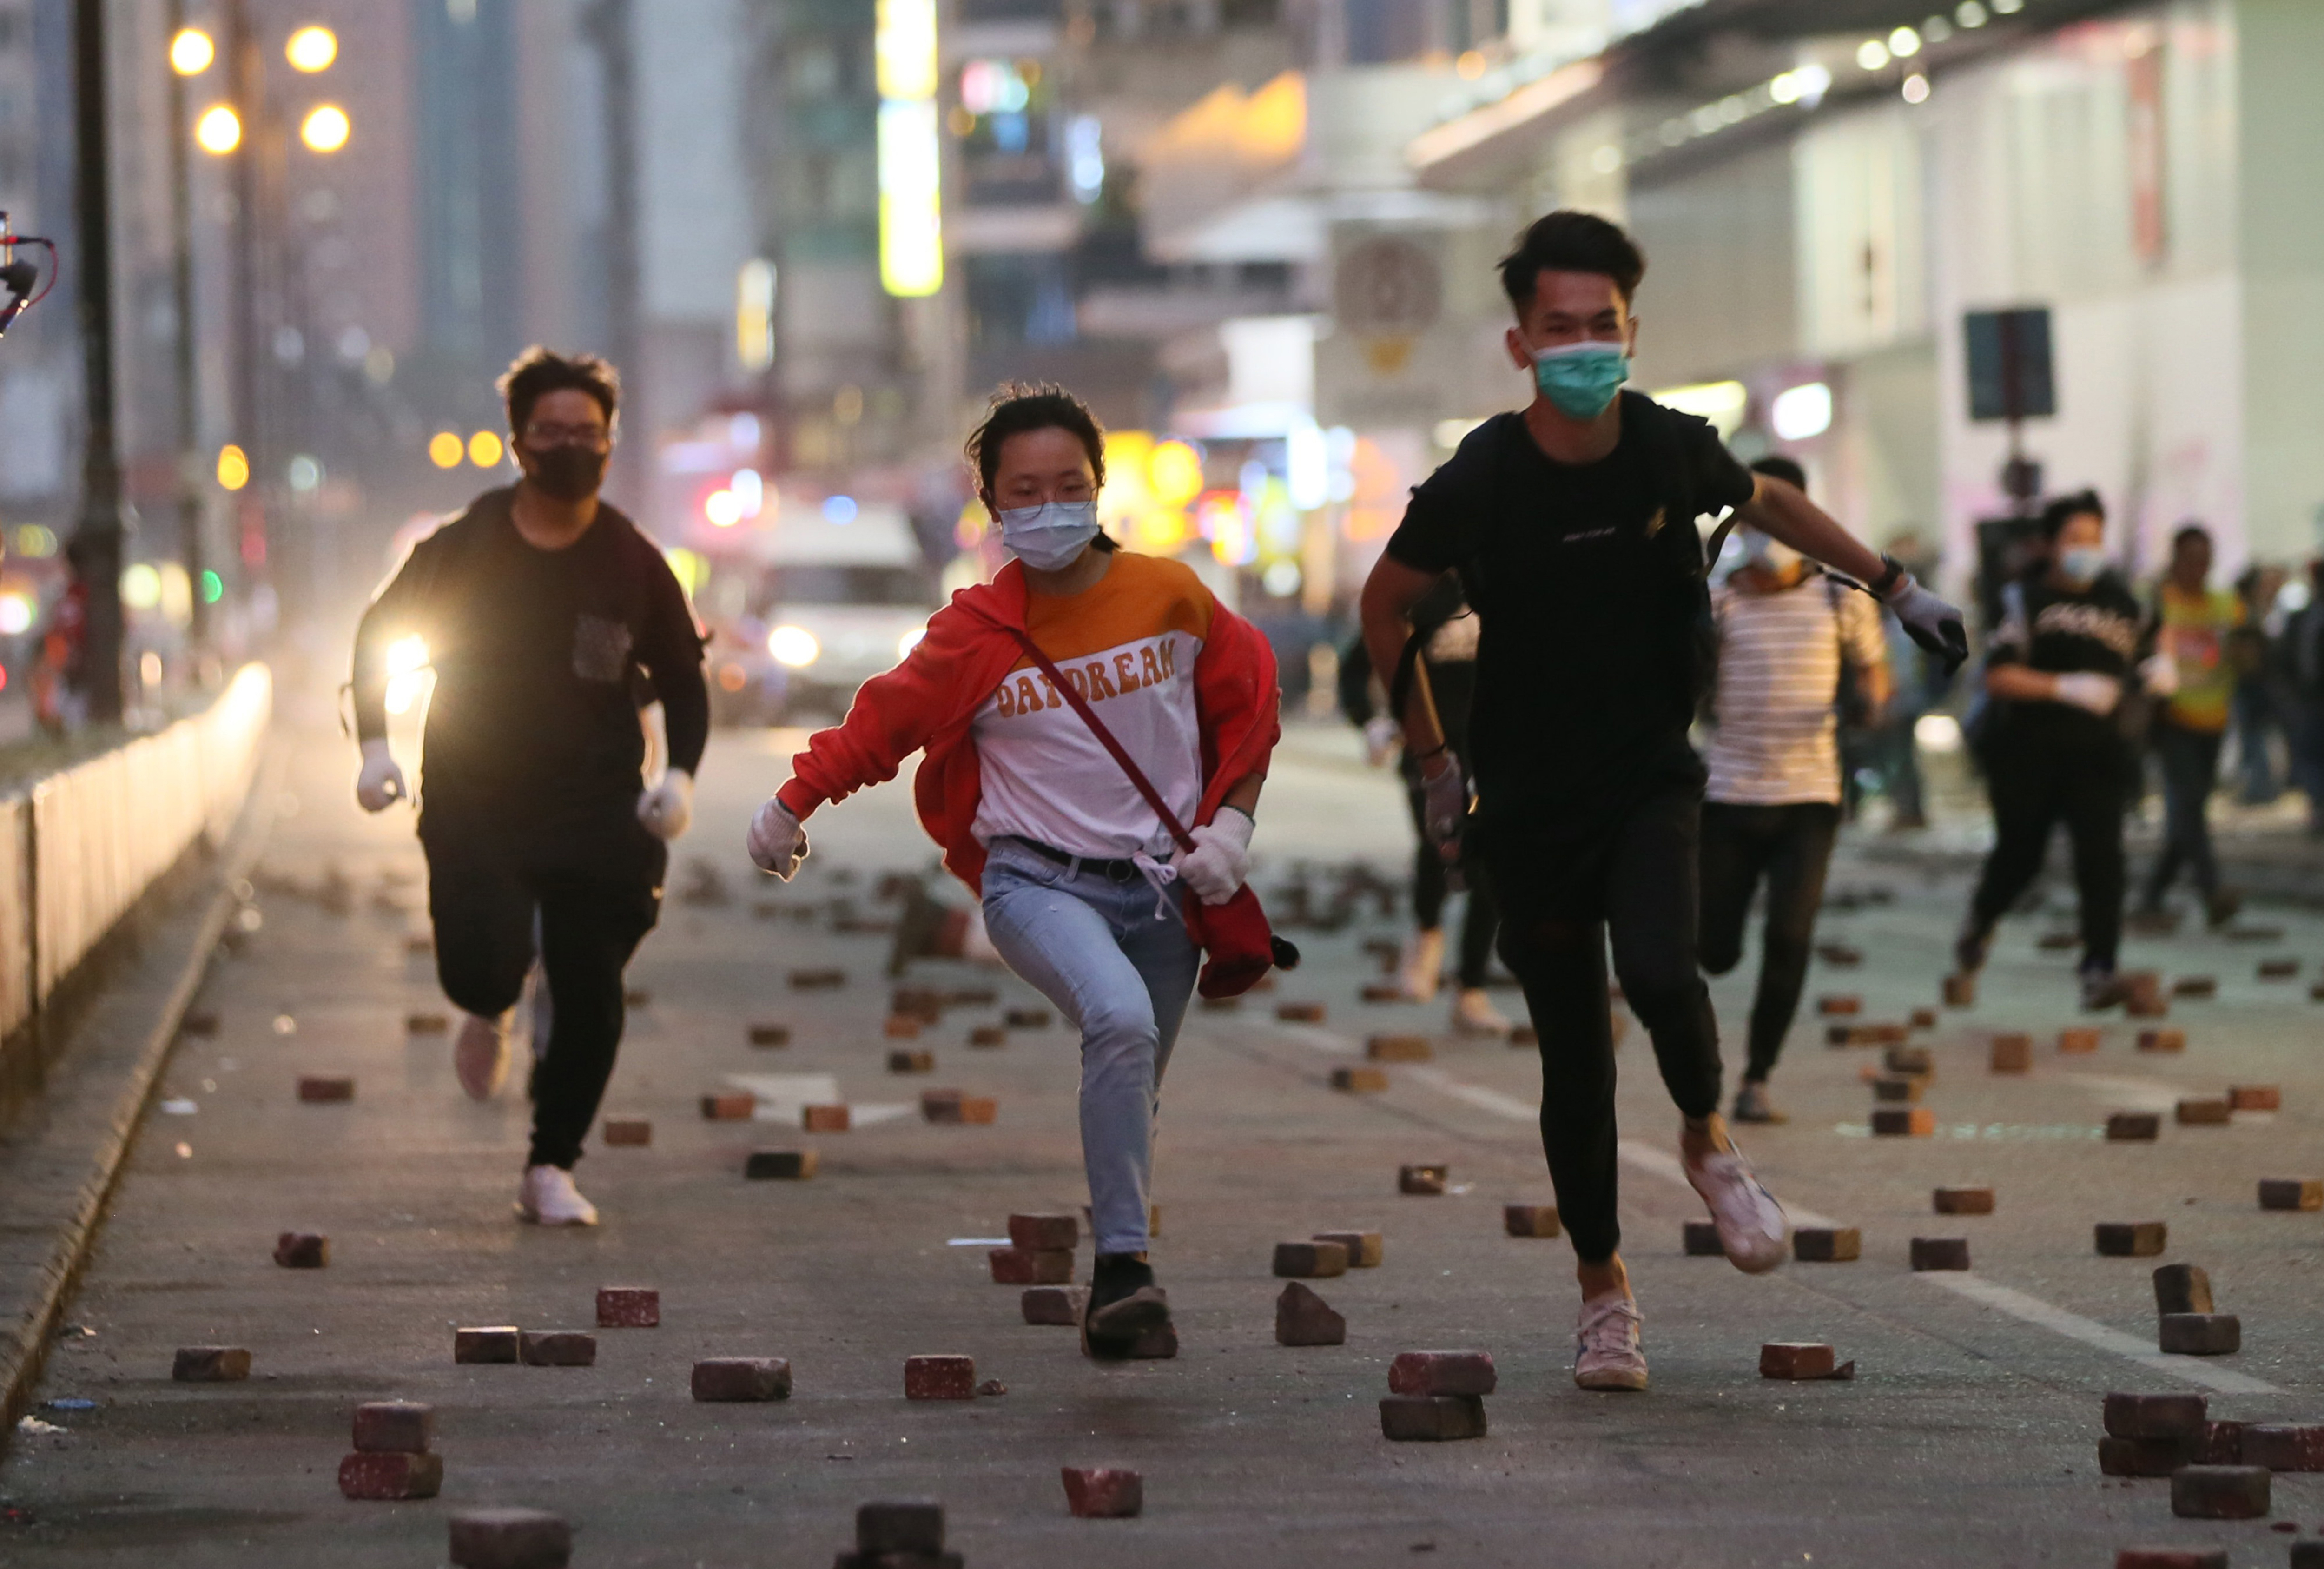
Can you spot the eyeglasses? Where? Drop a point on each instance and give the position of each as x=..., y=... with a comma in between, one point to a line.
x=596, y=438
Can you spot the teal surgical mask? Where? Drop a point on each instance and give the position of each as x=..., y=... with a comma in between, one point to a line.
x=1581, y=378
x=2082, y=563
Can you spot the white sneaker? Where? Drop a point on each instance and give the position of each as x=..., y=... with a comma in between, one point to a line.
x=481, y=1053
x=547, y=1197
x=1606, y=1354
x=1752, y=1227
x=1418, y=972
x=1473, y=1013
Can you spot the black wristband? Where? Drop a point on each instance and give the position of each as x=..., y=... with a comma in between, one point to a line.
x=1883, y=584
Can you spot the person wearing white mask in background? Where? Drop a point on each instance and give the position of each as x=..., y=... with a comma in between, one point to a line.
x=1082, y=887
x=1791, y=642
x=2055, y=671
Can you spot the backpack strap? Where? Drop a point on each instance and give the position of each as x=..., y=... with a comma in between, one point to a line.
x=1079, y=705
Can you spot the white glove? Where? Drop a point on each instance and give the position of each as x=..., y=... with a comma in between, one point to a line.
x=1445, y=799
x=667, y=808
x=1221, y=859
x=1930, y=622
x=2159, y=674
x=776, y=842
x=380, y=783
x=1381, y=734
x=2089, y=689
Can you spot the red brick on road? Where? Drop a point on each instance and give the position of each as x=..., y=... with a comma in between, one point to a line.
x=391, y=1478
x=302, y=1250
x=1432, y=1418
x=1103, y=1492
x=210, y=1364
x=1304, y=1318
x=506, y=1538
x=493, y=1343
x=556, y=1348
x=1442, y=1372
x=723, y=1378
x=628, y=1307
x=395, y=1426
x=2221, y=1493
x=1045, y=1232
x=1365, y=1249
x=940, y=1378
x=2173, y=1415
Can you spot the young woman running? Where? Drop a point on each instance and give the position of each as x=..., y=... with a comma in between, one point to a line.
x=1081, y=887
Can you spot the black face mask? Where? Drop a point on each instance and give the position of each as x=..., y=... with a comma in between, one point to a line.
x=567, y=473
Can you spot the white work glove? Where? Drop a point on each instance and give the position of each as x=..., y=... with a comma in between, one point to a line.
x=2159, y=674
x=1444, y=794
x=1221, y=859
x=380, y=783
x=2089, y=689
x=1381, y=735
x=1930, y=622
x=667, y=808
x=776, y=842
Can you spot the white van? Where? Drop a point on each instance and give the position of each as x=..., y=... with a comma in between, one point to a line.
x=842, y=594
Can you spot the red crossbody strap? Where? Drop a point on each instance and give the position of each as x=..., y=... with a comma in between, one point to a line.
x=1080, y=706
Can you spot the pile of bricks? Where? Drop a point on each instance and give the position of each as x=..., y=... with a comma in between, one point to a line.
x=1436, y=1395
x=392, y=1459
x=1040, y=1251
x=1910, y=1070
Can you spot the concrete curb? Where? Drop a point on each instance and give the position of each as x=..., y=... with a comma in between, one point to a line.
x=25, y=1345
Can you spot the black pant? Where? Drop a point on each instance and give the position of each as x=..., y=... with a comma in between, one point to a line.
x=1633, y=875
x=1483, y=918
x=2190, y=772
x=483, y=895
x=2035, y=788
x=1789, y=846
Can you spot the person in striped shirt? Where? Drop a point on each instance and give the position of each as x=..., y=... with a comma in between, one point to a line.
x=1788, y=638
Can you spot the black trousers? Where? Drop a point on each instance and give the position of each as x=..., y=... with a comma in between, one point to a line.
x=1789, y=847
x=1630, y=876
x=2191, y=772
x=484, y=893
x=2035, y=788
x=1483, y=916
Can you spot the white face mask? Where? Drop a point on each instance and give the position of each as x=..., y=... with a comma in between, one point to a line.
x=1768, y=553
x=1048, y=538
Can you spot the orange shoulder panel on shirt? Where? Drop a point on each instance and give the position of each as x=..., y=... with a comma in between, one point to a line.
x=1140, y=596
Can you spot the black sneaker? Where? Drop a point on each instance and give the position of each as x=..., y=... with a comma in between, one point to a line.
x=1752, y=1104
x=1124, y=1304
x=2102, y=990
x=1968, y=949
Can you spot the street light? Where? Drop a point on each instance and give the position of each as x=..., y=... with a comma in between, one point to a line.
x=219, y=130
x=191, y=51
x=311, y=50
x=324, y=129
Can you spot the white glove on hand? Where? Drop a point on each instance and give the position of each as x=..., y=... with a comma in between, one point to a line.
x=2089, y=689
x=1381, y=737
x=1445, y=797
x=1930, y=622
x=380, y=783
x=776, y=842
x=1221, y=859
x=667, y=808
x=2159, y=674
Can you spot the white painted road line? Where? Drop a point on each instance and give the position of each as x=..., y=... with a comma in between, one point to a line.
x=2090, y=1332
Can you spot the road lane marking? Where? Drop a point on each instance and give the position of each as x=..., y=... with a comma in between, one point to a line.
x=2091, y=1333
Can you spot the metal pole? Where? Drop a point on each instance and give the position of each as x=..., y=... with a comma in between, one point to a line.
x=97, y=540
x=243, y=67
x=610, y=26
x=181, y=286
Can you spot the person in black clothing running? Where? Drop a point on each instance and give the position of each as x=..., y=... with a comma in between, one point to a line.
x=544, y=611
x=1571, y=524
x=1445, y=639
x=2055, y=674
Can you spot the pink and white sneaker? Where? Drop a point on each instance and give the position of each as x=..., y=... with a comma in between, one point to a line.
x=1606, y=1354
x=547, y=1197
x=1752, y=1226
x=480, y=1055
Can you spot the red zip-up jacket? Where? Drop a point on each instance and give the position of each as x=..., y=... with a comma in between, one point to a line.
x=929, y=700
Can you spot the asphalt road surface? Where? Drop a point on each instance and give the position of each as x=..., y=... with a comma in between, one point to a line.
x=1968, y=1436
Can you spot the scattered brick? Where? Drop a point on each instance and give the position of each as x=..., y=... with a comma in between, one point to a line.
x=1045, y=1232
x=1964, y=1201
x=911, y=1062
x=1915, y=1061
x=979, y=1111
x=302, y=1250
x=2221, y=1493
x=1365, y=1249
x=1827, y=1244
x=1839, y=1006
x=900, y=1027
x=2182, y=1288
x=1839, y=955
x=628, y=1133
x=992, y=1035
x=1896, y=1087
x=1421, y=1180
x=1940, y=1253
x=210, y=1364
x=1027, y=1018
x=1442, y=1372
x=2133, y=1127
x=738, y=1107
x=1058, y=1305
x=2195, y=986
x=1903, y=1121
x=770, y=1035
x=2131, y=1239
x=318, y=1088
x=1399, y=1048
x=2278, y=969
x=556, y=1348
x=1310, y=1260
x=2171, y=1559
x=394, y=1426
x=2256, y=1097
x=2077, y=1040
x=817, y=980
x=1359, y=1081
x=628, y=1307
x=940, y=1378
x=2291, y=1193
x=780, y=1165
x=923, y=1003
x=2204, y=1111
x=1782, y=1359
x=1960, y=991
x=2171, y=1416
x=725, y=1379
x=2283, y=1446
x=510, y=1539
x=1701, y=1240
x=1031, y=1266
x=1304, y=1318
x=2161, y=1040
x=1923, y=1018
x=1530, y=1220
x=1381, y=991
x=2201, y=1334
x=487, y=1344
x=1103, y=1492
x=2143, y=1456
x=391, y=1478
x=426, y=1023
x=941, y=1105
x=826, y=1118
x=1431, y=1418
x=2221, y=1444
x=2013, y=1053
x=901, y=1525
x=1300, y=1012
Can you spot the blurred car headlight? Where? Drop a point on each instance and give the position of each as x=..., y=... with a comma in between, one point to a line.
x=909, y=642
x=794, y=646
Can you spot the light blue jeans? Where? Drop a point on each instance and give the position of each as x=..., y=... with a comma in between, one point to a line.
x=1094, y=948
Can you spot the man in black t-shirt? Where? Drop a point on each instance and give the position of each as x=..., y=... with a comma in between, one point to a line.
x=1571, y=524
x=544, y=613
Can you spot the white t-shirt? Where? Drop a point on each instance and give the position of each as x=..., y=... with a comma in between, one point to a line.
x=1779, y=654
